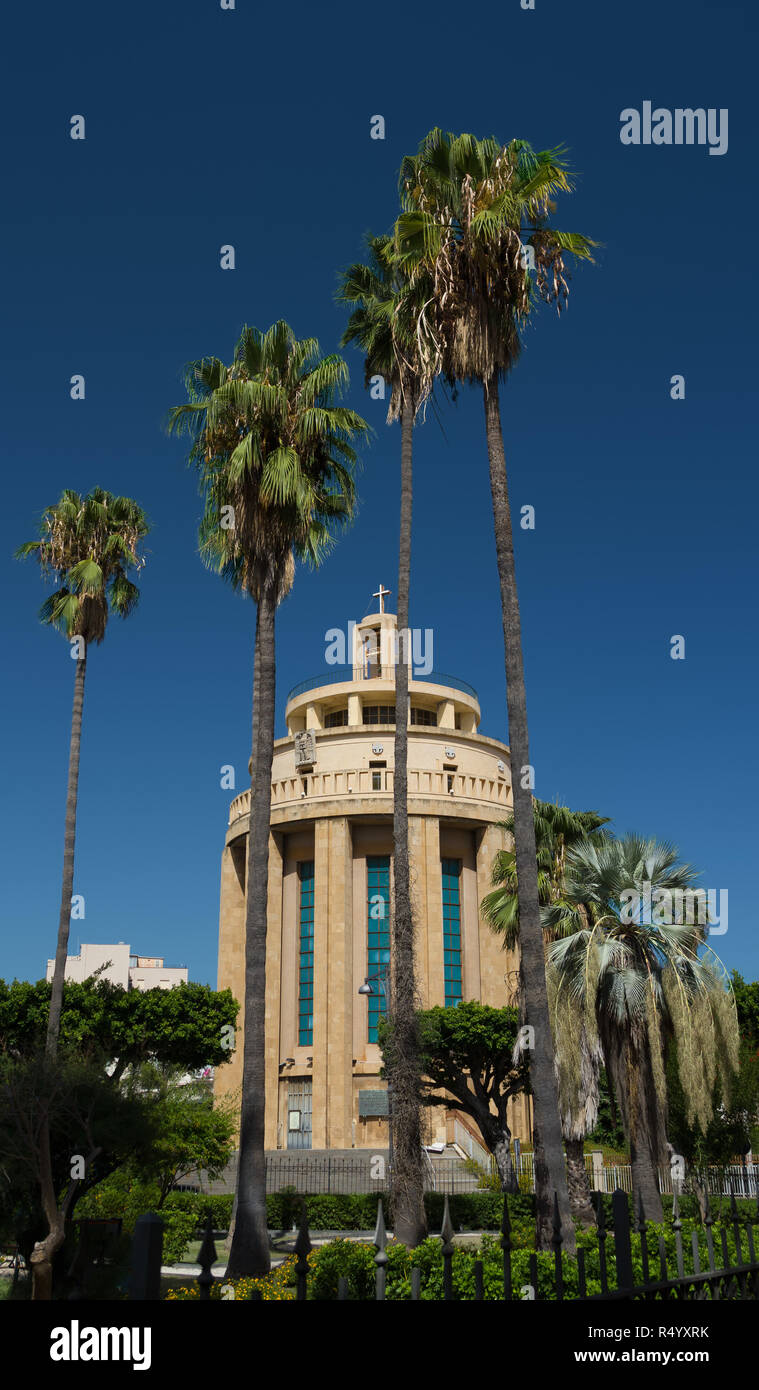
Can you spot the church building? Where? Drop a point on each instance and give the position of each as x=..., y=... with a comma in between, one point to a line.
x=331, y=884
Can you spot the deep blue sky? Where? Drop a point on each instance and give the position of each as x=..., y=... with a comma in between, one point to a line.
x=251, y=127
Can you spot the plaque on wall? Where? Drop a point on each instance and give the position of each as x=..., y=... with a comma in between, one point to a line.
x=371, y=1104
x=305, y=749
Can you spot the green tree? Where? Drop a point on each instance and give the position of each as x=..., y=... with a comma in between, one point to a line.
x=577, y=1059
x=467, y=1052
x=87, y=546
x=192, y=1133
x=188, y=1026
x=276, y=460
x=90, y=1127
x=476, y=219
x=108, y=1035
x=383, y=324
x=627, y=954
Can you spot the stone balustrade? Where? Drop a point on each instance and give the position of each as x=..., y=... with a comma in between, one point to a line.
x=324, y=786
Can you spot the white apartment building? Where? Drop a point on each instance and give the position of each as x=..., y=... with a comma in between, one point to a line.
x=122, y=967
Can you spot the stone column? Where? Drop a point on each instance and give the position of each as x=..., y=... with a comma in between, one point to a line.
x=418, y=877
x=495, y=963
x=434, y=915
x=231, y=973
x=273, y=986
x=321, y=983
x=340, y=998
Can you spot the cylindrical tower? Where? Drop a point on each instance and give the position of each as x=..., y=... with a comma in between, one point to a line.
x=330, y=888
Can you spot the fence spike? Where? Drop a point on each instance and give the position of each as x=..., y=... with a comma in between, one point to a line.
x=736, y=1225
x=601, y=1229
x=446, y=1230
x=557, y=1240
x=380, y=1233
x=380, y=1259
x=446, y=1236
x=709, y=1222
x=479, y=1286
x=506, y=1248
x=663, y=1271
x=622, y=1245
x=750, y=1240
x=302, y=1250
x=642, y=1230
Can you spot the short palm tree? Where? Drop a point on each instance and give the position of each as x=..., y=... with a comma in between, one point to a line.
x=641, y=975
x=577, y=1057
x=384, y=325
x=276, y=462
x=476, y=220
x=87, y=545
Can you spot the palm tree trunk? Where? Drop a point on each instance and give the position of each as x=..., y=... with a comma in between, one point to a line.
x=67, y=887
x=249, y=1252
x=550, y=1170
x=403, y=1075
x=45, y=1249
x=646, y=1124
x=256, y=682
x=579, y=1186
x=497, y=1136
x=41, y=1259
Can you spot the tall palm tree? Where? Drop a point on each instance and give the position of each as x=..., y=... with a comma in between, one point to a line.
x=642, y=973
x=272, y=445
x=476, y=219
x=384, y=325
x=87, y=545
x=577, y=1057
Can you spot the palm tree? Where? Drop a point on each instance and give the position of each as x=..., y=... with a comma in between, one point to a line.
x=476, y=219
x=577, y=1058
x=276, y=461
x=627, y=955
x=384, y=325
x=88, y=546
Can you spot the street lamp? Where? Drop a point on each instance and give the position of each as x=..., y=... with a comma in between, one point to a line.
x=382, y=978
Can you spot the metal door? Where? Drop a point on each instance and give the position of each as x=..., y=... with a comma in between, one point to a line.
x=299, y=1114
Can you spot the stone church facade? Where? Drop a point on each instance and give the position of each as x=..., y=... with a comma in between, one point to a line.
x=330, y=891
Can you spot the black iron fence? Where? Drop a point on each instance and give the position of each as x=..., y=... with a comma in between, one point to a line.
x=341, y=1176
x=317, y=1175
x=607, y=1268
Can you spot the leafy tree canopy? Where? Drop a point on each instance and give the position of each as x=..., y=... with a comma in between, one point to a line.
x=184, y=1026
x=747, y=1005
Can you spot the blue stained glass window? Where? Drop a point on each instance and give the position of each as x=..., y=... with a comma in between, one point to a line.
x=452, y=931
x=378, y=933
x=306, y=954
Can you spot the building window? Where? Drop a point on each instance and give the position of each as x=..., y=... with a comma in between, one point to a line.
x=378, y=934
x=452, y=930
x=423, y=716
x=306, y=954
x=376, y=781
x=336, y=718
x=379, y=714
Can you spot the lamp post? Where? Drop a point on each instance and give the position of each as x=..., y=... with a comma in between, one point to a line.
x=382, y=979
